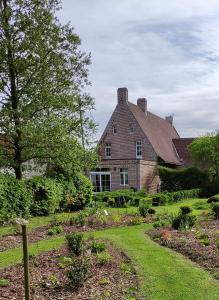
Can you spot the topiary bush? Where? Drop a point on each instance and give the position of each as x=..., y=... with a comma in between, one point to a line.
x=215, y=210
x=78, y=271
x=47, y=195
x=185, y=210
x=75, y=242
x=15, y=198
x=183, y=221
x=213, y=199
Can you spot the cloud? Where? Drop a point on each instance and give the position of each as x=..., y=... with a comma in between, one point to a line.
x=166, y=51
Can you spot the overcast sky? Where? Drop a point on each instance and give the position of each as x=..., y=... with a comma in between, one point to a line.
x=164, y=50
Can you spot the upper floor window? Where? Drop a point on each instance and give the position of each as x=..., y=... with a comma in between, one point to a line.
x=124, y=176
x=114, y=130
x=107, y=150
x=139, y=149
x=131, y=129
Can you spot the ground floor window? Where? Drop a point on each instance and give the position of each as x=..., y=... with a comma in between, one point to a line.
x=124, y=180
x=101, y=181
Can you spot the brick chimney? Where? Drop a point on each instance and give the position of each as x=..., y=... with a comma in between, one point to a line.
x=142, y=103
x=122, y=94
x=170, y=119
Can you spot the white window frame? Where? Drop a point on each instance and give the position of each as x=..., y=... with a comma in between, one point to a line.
x=100, y=174
x=124, y=176
x=107, y=147
x=138, y=149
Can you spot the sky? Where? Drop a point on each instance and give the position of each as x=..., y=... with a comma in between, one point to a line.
x=164, y=50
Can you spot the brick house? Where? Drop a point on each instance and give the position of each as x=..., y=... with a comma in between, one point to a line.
x=133, y=143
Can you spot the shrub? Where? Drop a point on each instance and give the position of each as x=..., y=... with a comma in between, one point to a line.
x=75, y=242
x=47, y=195
x=103, y=258
x=185, y=210
x=15, y=198
x=160, y=223
x=213, y=199
x=97, y=247
x=184, y=194
x=143, y=209
x=84, y=190
x=151, y=211
x=182, y=179
x=183, y=221
x=78, y=271
x=160, y=199
x=55, y=230
x=64, y=262
x=79, y=219
x=215, y=210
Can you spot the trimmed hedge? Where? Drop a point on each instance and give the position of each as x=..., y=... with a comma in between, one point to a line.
x=182, y=179
x=15, y=198
x=47, y=195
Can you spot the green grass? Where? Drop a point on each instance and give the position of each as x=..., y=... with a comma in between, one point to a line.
x=163, y=274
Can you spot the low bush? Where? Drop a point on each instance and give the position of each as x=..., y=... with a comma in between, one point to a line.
x=97, y=247
x=213, y=199
x=215, y=210
x=103, y=258
x=78, y=220
x=143, y=209
x=135, y=221
x=78, y=271
x=183, y=221
x=75, y=242
x=55, y=230
x=185, y=210
x=184, y=194
x=160, y=199
x=151, y=211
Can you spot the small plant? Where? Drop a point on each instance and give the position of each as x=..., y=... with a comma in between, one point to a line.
x=160, y=223
x=4, y=282
x=64, y=262
x=126, y=268
x=143, y=209
x=135, y=221
x=75, y=243
x=165, y=236
x=79, y=219
x=116, y=219
x=78, y=271
x=97, y=247
x=104, y=281
x=183, y=222
x=103, y=258
x=205, y=241
x=53, y=280
x=215, y=210
x=55, y=230
x=185, y=210
x=151, y=211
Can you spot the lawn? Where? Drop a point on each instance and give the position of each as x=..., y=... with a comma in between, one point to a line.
x=163, y=274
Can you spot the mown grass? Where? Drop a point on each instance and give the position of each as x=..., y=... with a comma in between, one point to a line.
x=163, y=274
x=37, y=222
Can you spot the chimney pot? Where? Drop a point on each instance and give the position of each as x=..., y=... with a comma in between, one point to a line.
x=142, y=103
x=122, y=94
x=170, y=119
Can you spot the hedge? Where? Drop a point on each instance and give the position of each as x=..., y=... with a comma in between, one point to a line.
x=182, y=179
x=15, y=198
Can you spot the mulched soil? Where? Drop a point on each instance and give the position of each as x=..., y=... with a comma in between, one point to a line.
x=105, y=282
x=15, y=240
x=188, y=243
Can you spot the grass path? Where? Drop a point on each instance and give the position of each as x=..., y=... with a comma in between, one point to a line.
x=163, y=274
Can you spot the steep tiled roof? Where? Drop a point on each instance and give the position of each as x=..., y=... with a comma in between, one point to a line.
x=159, y=132
x=181, y=146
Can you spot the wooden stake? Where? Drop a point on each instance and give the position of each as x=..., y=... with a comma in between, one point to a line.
x=26, y=262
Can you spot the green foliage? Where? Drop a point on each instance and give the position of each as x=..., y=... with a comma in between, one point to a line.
x=43, y=108
x=185, y=209
x=205, y=152
x=15, y=198
x=103, y=258
x=185, y=194
x=64, y=262
x=160, y=199
x=84, y=190
x=75, y=242
x=97, y=247
x=135, y=221
x=181, y=179
x=78, y=271
x=215, y=210
x=79, y=219
x=202, y=205
x=55, y=230
x=151, y=211
x=47, y=195
x=143, y=209
x=183, y=221
x=4, y=282
x=213, y=199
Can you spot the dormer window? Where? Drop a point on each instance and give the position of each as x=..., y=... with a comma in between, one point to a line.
x=139, y=149
x=114, y=130
x=108, y=150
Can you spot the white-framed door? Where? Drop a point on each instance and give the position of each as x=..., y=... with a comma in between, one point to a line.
x=101, y=181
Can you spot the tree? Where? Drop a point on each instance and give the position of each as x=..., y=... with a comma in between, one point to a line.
x=42, y=73
x=205, y=152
